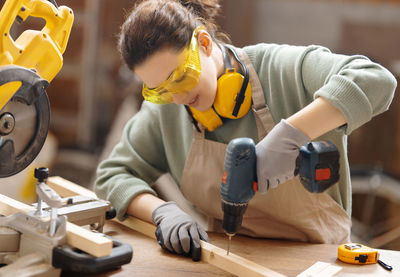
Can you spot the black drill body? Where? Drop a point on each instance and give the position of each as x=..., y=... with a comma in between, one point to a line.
x=317, y=166
x=237, y=183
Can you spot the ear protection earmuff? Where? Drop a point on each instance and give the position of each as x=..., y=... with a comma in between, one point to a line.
x=233, y=97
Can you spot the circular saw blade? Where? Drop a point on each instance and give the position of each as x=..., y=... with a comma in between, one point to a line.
x=28, y=112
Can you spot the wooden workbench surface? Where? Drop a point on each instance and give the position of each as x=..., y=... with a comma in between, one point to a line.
x=288, y=258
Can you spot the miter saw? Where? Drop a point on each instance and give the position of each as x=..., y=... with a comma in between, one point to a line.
x=27, y=66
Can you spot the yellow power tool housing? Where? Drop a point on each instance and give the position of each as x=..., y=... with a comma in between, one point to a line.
x=27, y=65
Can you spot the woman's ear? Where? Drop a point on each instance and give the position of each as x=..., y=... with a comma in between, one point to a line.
x=205, y=42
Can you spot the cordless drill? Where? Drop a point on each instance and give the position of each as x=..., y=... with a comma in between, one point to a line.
x=317, y=166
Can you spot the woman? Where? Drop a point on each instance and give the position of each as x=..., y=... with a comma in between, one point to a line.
x=294, y=95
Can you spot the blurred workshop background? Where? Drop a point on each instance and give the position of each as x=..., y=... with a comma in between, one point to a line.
x=95, y=94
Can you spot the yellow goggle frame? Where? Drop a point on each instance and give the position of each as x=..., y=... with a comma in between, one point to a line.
x=184, y=78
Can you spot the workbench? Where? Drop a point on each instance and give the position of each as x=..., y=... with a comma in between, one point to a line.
x=285, y=257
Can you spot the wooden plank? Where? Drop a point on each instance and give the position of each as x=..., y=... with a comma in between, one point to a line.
x=139, y=226
x=9, y=206
x=92, y=243
x=321, y=269
x=233, y=263
x=78, y=237
x=67, y=188
x=210, y=253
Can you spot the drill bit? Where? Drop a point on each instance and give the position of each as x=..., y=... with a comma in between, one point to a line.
x=229, y=242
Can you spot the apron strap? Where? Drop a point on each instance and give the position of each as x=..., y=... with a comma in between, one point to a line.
x=261, y=112
x=197, y=134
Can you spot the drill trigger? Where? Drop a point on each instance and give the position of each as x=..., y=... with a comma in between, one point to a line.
x=255, y=186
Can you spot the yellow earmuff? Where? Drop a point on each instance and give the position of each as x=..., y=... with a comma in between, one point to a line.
x=229, y=86
x=233, y=98
x=209, y=119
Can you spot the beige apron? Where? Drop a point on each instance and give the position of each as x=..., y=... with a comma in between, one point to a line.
x=286, y=212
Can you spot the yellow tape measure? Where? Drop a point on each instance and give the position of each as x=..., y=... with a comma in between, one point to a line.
x=356, y=253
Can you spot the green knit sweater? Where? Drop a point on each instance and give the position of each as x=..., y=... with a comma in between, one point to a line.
x=158, y=138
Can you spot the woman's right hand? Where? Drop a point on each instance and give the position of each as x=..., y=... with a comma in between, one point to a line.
x=276, y=155
x=177, y=232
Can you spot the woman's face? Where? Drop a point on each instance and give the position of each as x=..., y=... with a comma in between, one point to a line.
x=158, y=67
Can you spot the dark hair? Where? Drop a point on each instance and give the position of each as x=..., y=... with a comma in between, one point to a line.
x=155, y=24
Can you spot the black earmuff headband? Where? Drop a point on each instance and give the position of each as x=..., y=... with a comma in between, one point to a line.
x=228, y=65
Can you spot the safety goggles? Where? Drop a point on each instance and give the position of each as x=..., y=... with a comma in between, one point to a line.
x=184, y=78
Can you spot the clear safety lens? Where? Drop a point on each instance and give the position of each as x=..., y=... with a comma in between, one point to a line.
x=184, y=78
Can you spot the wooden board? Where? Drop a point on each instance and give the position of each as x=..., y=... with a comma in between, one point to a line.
x=233, y=263
x=78, y=237
x=67, y=188
x=210, y=253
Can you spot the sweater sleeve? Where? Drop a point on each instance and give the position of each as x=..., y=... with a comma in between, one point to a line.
x=358, y=87
x=135, y=162
x=292, y=76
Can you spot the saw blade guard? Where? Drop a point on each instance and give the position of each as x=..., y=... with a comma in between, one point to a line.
x=24, y=119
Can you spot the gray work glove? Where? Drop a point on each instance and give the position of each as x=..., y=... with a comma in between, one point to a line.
x=276, y=155
x=177, y=232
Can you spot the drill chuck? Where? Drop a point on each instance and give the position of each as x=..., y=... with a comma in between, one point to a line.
x=233, y=216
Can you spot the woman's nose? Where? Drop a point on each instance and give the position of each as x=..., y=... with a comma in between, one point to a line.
x=179, y=98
